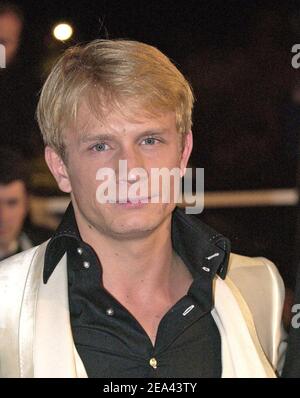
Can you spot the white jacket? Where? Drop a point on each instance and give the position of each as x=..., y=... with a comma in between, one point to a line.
x=35, y=330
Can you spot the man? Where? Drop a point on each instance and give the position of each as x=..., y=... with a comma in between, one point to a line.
x=16, y=232
x=130, y=288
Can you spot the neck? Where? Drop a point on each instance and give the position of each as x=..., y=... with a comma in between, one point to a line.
x=148, y=263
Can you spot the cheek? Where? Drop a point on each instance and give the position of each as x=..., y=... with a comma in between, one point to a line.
x=22, y=211
x=83, y=183
x=17, y=215
x=176, y=154
x=169, y=158
x=170, y=162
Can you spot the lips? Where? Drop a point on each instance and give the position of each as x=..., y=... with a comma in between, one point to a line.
x=131, y=205
x=133, y=201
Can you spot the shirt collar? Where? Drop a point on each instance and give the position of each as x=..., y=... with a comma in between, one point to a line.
x=66, y=232
x=200, y=247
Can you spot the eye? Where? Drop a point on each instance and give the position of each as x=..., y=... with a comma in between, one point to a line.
x=12, y=202
x=100, y=147
x=150, y=141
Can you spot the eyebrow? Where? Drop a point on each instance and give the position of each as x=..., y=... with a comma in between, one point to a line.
x=107, y=136
x=97, y=137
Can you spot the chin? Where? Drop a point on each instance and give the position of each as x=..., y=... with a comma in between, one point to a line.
x=134, y=222
x=135, y=225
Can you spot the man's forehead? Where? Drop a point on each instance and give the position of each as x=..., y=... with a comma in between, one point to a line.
x=10, y=23
x=16, y=187
x=116, y=120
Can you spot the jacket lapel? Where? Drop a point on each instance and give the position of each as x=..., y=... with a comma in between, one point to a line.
x=55, y=355
x=52, y=353
x=242, y=355
x=28, y=313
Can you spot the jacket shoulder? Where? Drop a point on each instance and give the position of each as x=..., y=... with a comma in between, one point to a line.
x=256, y=274
x=12, y=264
x=239, y=261
x=18, y=281
x=262, y=288
x=14, y=272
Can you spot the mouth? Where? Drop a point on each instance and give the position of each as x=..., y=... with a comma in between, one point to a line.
x=133, y=203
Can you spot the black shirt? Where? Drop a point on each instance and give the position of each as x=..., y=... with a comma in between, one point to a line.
x=110, y=341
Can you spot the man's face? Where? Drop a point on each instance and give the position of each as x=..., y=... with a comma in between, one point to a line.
x=143, y=142
x=13, y=210
x=10, y=32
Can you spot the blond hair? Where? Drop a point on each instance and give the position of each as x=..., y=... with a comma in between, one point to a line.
x=111, y=72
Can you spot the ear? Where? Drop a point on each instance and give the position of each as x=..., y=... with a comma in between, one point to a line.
x=186, y=153
x=58, y=169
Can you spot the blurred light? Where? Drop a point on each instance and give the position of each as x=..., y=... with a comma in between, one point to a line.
x=63, y=31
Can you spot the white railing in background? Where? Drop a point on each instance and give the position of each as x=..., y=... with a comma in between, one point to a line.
x=271, y=197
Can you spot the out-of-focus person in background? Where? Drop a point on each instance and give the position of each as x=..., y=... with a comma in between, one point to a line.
x=17, y=233
x=11, y=26
x=19, y=84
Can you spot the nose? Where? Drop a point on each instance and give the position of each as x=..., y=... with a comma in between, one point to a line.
x=134, y=162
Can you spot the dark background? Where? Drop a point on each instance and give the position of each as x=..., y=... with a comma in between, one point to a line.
x=237, y=55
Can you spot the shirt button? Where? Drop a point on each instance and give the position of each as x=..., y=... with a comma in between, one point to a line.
x=79, y=250
x=86, y=264
x=110, y=311
x=153, y=363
